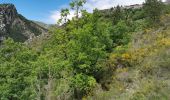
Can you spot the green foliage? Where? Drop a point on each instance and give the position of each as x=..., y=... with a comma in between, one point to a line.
x=88, y=47
x=138, y=14
x=120, y=33
x=64, y=14
x=153, y=10
x=15, y=76
x=83, y=85
x=117, y=15
x=76, y=4
x=104, y=55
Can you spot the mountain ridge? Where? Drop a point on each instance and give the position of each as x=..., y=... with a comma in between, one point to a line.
x=16, y=26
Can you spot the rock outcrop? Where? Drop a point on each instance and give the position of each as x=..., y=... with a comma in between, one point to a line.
x=16, y=26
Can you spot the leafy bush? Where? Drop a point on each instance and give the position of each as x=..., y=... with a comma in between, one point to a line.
x=83, y=85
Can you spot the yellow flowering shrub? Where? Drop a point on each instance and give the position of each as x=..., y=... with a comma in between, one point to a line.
x=164, y=42
x=113, y=56
x=126, y=56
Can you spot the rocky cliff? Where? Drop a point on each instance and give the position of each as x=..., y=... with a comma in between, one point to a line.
x=16, y=26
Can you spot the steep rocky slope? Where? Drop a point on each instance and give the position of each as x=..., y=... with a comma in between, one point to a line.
x=16, y=26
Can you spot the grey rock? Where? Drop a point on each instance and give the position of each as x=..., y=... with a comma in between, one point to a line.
x=16, y=26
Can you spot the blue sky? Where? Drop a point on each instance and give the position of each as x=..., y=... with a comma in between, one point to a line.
x=38, y=10
x=47, y=11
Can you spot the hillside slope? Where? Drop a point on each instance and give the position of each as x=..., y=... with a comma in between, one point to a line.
x=147, y=77
x=16, y=26
x=116, y=54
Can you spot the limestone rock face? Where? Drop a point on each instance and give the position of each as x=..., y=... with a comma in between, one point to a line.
x=7, y=15
x=16, y=26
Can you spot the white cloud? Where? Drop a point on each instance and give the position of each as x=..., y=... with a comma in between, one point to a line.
x=104, y=4
x=92, y=4
x=55, y=16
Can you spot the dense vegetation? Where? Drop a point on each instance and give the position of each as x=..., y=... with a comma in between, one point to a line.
x=121, y=54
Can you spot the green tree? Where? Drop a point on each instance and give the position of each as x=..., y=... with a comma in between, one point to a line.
x=53, y=67
x=153, y=10
x=64, y=16
x=118, y=14
x=88, y=47
x=120, y=34
x=82, y=84
x=77, y=5
x=16, y=78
